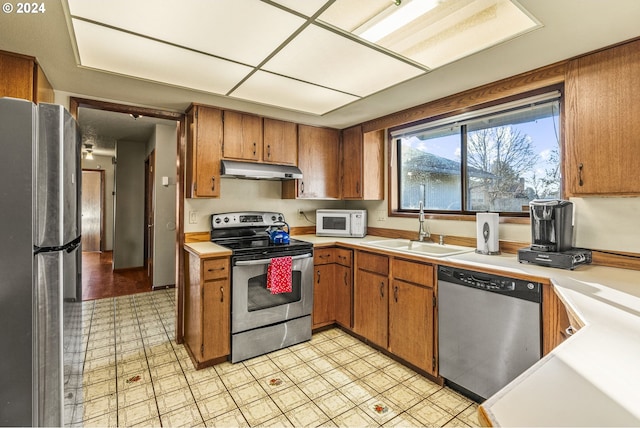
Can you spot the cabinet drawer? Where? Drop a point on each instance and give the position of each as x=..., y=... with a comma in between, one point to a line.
x=215, y=269
x=323, y=256
x=343, y=257
x=416, y=273
x=371, y=262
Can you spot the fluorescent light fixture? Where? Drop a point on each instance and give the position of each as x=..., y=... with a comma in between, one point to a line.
x=386, y=23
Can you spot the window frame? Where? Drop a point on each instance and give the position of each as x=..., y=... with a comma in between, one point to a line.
x=468, y=113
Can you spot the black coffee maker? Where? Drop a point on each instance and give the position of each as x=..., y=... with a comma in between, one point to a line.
x=551, y=225
x=552, y=236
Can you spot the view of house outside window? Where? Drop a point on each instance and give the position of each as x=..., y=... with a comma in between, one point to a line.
x=494, y=163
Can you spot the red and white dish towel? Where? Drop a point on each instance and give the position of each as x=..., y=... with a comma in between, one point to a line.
x=279, y=275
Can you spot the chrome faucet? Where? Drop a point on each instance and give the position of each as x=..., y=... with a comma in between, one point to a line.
x=422, y=233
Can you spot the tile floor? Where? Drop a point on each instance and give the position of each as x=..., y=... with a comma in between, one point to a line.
x=135, y=374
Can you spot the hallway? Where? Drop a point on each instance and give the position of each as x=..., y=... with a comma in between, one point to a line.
x=100, y=281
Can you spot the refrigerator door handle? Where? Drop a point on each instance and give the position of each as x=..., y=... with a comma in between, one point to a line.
x=69, y=247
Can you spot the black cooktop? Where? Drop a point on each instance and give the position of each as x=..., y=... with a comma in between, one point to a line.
x=246, y=235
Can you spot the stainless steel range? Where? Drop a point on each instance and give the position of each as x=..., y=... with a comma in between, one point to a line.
x=262, y=322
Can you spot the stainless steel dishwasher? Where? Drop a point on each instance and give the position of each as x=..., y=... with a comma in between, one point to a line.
x=488, y=329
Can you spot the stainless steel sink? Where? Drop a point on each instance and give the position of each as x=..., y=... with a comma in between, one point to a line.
x=417, y=247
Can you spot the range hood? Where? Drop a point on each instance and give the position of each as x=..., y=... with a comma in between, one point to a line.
x=259, y=171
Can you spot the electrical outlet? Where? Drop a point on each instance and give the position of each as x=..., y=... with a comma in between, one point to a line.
x=300, y=214
x=193, y=217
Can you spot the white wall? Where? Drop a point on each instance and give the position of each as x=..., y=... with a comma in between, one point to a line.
x=252, y=195
x=164, y=239
x=128, y=245
x=105, y=163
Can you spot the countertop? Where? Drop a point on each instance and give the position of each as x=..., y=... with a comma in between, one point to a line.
x=592, y=378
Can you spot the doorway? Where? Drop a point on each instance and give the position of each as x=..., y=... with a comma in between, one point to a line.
x=92, y=210
x=95, y=117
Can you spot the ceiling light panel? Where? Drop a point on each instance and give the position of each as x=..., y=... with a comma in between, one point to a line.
x=271, y=89
x=325, y=58
x=435, y=32
x=122, y=53
x=246, y=31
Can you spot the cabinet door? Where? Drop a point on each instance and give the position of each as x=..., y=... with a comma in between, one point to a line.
x=280, y=142
x=17, y=77
x=323, y=296
x=216, y=327
x=318, y=157
x=242, y=136
x=343, y=295
x=352, y=163
x=602, y=126
x=370, y=308
x=411, y=324
x=204, y=139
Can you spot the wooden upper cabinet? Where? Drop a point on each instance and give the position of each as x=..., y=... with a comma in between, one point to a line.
x=242, y=136
x=204, y=140
x=363, y=162
x=602, y=130
x=280, y=144
x=318, y=158
x=22, y=77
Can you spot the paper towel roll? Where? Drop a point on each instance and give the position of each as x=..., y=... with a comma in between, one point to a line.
x=487, y=235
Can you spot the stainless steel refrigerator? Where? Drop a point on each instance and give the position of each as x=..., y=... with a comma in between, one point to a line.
x=39, y=257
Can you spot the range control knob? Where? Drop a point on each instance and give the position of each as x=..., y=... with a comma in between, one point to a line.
x=273, y=218
x=217, y=220
x=226, y=219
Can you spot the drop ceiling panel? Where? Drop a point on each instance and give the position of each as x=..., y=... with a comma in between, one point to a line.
x=122, y=53
x=306, y=7
x=324, y=58
x=271, y=89
x=246, y=31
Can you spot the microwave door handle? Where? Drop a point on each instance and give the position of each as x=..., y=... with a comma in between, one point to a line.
x=267, y=261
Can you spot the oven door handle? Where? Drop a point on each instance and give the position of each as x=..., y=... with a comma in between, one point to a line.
x=267, y=261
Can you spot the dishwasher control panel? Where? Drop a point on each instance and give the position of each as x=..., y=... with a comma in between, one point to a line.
x=518, y=288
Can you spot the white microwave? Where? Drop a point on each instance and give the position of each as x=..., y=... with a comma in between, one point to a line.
x=344, y=223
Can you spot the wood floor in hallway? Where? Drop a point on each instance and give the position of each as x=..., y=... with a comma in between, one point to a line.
x=100, y=281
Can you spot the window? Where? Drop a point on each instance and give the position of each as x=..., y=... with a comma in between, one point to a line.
x=495, y=159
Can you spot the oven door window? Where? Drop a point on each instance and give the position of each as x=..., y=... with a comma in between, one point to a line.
x=259, y=297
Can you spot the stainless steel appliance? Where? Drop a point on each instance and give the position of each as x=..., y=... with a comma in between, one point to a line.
x=39, y=258
x=489, y=329
x=552, y=236
x=262, y=322
x=342, y=223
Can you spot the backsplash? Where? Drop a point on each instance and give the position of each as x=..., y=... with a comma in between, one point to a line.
x=601, y=223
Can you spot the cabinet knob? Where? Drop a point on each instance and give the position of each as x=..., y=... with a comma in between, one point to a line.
x=345, y=279
x=269, y=151
x=213, y=183
x=395, y=293
x=255, y=148
x=221, y=294
x=318, y=279
x=382, y=289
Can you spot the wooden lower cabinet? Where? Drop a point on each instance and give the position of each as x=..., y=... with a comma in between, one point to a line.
x=323, y=311
x=343, y=294
x=557, y=323
x=394, y=307
x=207, y=328
x=371, y=297
x=411, y=324
x=332, y=287
x=370, y=311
